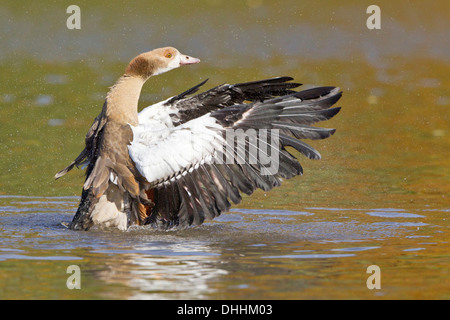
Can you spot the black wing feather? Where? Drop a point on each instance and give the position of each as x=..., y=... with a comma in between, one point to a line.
x=227, y=95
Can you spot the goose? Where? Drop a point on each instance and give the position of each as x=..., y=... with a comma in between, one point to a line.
x=188, y=158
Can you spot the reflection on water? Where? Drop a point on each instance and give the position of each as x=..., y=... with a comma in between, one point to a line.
x=164, y=276
x=243, y=255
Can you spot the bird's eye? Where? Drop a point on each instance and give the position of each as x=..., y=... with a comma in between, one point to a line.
x=168, y=55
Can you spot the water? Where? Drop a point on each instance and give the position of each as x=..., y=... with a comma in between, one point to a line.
x=379, y=196
x=246, y=254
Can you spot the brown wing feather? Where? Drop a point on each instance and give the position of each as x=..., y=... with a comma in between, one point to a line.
x=91, y=141
x=108, y=163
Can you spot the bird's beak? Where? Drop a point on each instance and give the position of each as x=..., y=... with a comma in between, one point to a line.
x=188, y=60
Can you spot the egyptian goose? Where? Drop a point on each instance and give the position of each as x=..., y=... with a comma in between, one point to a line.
x=174, y=163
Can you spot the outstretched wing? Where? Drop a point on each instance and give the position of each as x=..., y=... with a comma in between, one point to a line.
x=191, y=107
x=195, y=170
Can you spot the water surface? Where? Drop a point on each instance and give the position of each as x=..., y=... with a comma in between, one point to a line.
x=247, y=254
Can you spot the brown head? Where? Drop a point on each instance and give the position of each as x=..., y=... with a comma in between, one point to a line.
x=158, y=61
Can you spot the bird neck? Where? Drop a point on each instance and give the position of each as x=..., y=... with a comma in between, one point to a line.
x=122, y=100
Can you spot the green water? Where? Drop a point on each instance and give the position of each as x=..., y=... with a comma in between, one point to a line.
x=379, y=196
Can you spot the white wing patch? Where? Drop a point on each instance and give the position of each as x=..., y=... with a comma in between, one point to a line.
x=162, y=151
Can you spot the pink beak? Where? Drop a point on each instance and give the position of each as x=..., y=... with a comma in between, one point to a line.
x=188, y=60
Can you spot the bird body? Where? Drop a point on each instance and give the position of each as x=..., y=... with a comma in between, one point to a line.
x=180, y=161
